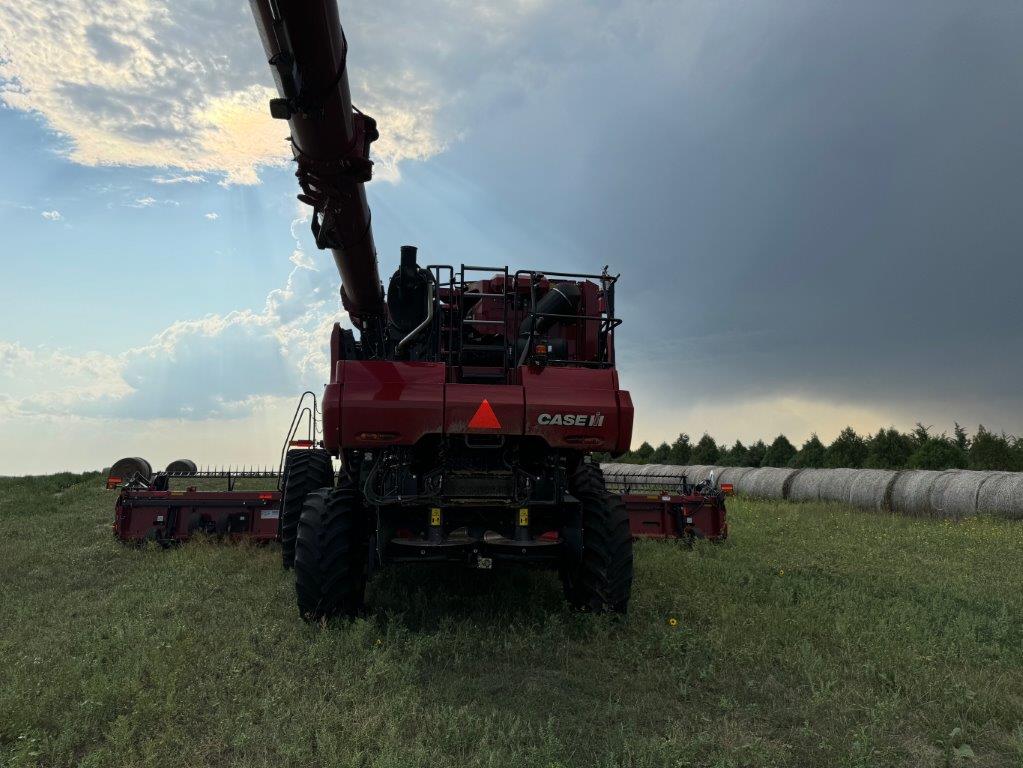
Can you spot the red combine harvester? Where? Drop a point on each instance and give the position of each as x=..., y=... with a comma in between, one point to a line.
x=462, y=407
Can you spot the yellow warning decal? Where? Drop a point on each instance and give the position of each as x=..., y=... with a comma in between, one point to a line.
x=435, y=516
x=524, y=516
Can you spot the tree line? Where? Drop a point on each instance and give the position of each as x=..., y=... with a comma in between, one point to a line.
x=887, y=449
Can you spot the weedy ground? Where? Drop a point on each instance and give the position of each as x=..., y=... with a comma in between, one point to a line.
x=816, y=636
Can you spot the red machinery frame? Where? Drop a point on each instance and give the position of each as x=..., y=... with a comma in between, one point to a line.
x=677, y=510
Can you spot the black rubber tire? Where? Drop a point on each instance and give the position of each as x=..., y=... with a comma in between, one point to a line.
x=331, y=555
x=599, y=581
x=305, y=470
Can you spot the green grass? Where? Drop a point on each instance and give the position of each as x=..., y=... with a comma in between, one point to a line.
x=816, y=636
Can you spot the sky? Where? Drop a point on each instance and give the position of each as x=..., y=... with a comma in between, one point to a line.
x=816, y=208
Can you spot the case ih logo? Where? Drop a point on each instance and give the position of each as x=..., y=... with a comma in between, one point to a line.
x=571, y=419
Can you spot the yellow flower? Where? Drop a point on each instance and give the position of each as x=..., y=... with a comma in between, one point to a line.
x=672, y=622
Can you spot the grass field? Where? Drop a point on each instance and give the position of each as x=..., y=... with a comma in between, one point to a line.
x=817, y=636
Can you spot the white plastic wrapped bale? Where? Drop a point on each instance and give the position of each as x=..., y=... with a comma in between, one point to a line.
x=765, y=483
x=1008, y=500
x=870, y=488
x=911, y=492
x=806, y=485
x=700, y=473
x=835, y=484
x=657, y=470
x=956, y=495
x=994, y=490
x=733, y=475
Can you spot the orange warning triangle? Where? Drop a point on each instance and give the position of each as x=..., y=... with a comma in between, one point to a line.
x=485, y=417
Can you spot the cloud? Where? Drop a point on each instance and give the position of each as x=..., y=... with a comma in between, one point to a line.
x=183, y=86
x=212, y=216
x=51, y=215
x=143, y=202
x=191, y=178
x=220, y=366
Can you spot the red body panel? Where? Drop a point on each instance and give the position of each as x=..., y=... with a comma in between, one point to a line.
x=463, y=401
x=658, y=516
x=372, y=403
x=177, y=515
x=384, y=403
x=589, y=393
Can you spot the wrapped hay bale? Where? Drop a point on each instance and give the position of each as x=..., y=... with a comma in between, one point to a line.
x=1008, y=500
x=733, y=474
x=992, y=490
x=124, y=470
x=700, y=473
x=765, y=483
x=870, y=488
x=911, y=492
x=955, y=495
x=806, y=485
x=835, y=484
x=182, y=467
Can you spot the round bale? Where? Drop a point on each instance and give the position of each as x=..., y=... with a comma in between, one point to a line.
x=1009, y=501
x=835, y=484
x=765, y=483
x=806, y=485
x=182, y=467
x=990, y=493
x=733, y=474
x=128, y=468
x=871, y=488
x=911, y=492
x=700, y=473
x=956, y=494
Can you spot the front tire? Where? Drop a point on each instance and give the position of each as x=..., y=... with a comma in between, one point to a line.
x=331, y=554
x=305, y=470
x=599, y=578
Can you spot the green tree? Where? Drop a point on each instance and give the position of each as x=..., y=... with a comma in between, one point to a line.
x=937, y=453
x=734, y=456
x=780, y=453
x=706, y=451
x=660, y=454
x=961, y=440
x=889, y=449
x=990, y=451
x=920, y=435
x=848, y=450
x=755, y=454
x=681, y=450
x=642, y=454
x=810, y=455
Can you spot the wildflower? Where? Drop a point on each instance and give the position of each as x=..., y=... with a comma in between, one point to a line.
x=672, y=622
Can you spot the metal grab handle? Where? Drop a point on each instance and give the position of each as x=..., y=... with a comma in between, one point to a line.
x=429, y=318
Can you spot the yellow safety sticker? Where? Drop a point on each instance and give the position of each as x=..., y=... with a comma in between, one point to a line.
x=435, y=516
x=524, y=516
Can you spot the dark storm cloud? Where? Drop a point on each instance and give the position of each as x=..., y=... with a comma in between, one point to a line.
x=809, y=198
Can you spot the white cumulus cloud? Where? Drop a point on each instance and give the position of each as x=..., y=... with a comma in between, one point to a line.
x=51, y=215
x=218, y=366
x=192, y=178
x=185, y=85
x=212, y=216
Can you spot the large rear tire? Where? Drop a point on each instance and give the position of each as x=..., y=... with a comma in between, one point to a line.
x=599, y=578
x=305, y=470
x=331, y=555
